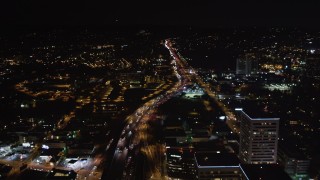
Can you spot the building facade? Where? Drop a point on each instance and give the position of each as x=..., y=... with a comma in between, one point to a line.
x=217, y=166
x=247, y=65
x=313, y=65
x=295, y=163
x=258, y=139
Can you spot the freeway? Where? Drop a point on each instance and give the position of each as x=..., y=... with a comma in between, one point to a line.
x=192, y=75
x=134, y=136
x=131, y=139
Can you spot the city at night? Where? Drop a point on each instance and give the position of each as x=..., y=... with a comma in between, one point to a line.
x=159, y=90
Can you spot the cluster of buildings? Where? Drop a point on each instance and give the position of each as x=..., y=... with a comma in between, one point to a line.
x=64, y=101
x=308, y=66
x=257, y=154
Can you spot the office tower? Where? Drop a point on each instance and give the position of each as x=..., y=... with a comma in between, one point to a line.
x=287, y=65
x=313, y=65
x=258, y=137
x=243, y=66
x=246, y=65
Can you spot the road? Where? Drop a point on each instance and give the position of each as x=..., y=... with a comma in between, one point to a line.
x=134, y=136
x=192, y=75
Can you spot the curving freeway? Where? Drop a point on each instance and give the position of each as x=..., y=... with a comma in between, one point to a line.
x=131, y=139
x=134, y=136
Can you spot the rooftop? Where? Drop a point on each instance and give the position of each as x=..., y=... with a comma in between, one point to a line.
x=62, y=174
x=209, y=159
x=257, y=114
x=289, y=147
x=174, y=133
x=182, y=152
x=32, y=174
x=212, y=145
x=270, y=171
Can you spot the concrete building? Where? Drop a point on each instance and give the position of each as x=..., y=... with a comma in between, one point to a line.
x=180, y=163
x=263, y=171
x=295, y=163
x=246, y=65
x=220, y=166
x=313, y=65
x=258, y=137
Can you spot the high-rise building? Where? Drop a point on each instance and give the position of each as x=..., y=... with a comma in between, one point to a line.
x=313, y=65
x=243, y=66
x=287, y=65
x=246, y=65
x=258, y=137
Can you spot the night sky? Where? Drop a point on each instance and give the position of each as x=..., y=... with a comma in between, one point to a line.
x=69, y=13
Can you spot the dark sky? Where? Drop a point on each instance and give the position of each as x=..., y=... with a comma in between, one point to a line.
x=40, y=13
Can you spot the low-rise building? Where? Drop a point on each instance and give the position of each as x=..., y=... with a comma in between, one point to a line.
x=213, y=165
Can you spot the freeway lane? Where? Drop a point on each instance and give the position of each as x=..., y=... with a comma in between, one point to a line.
x=192, y=75
x=130, y=137
x=134, y=136
x=130, y=140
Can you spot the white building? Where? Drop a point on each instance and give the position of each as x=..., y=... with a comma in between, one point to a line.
x=258, y=138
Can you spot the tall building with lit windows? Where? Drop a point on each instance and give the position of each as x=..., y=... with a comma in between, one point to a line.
x=247, y=64
x=258, y=137
x=313, y=65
